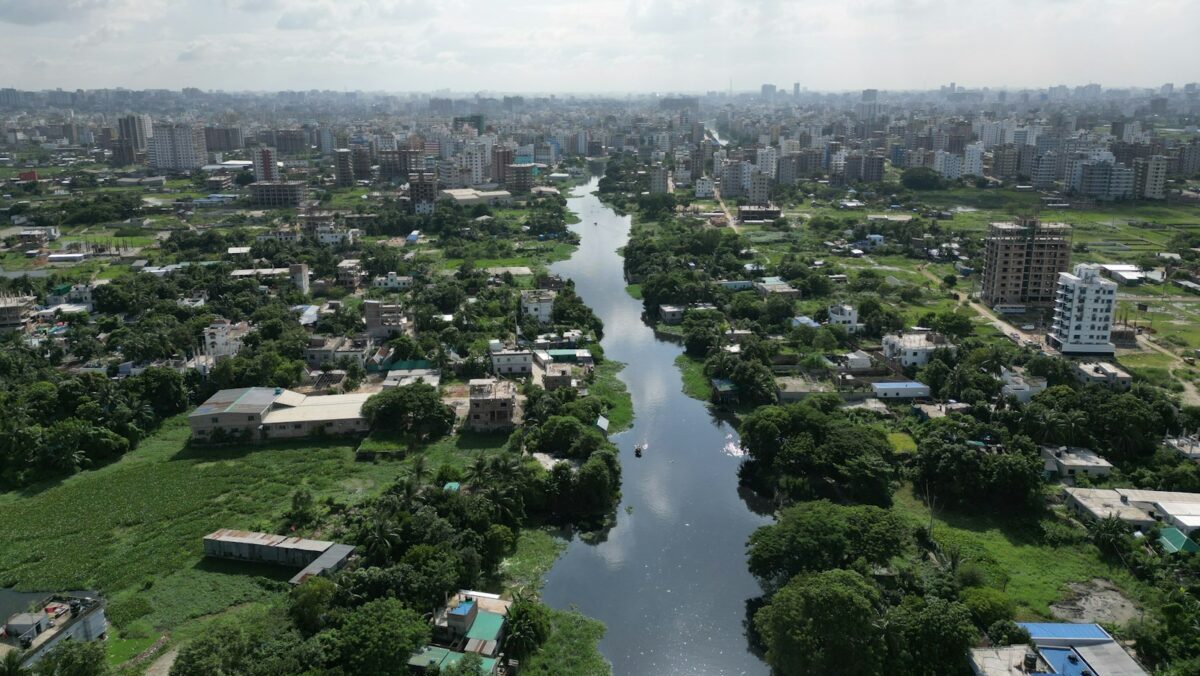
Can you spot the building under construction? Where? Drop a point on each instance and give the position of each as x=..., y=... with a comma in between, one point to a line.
x=1022, y=261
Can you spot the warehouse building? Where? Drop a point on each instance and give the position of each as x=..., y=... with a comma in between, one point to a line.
x=313, y=557
x=262, y=413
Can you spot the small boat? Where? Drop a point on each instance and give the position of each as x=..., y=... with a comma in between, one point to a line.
x=637, y=451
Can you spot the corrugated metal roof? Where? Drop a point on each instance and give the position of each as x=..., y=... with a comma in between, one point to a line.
x=1061, y=630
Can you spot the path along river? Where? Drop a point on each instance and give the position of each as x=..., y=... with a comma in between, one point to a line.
x=670, y=579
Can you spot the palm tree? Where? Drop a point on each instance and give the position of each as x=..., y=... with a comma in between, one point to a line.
x=11, y=664
x=381, y=540
x=419, y=470
x=478, y=470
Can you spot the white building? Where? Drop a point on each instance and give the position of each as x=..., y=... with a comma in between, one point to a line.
x=512, y=362
x=474, y=164
x=176, y=147
x=914, y=349
x=704, y=187
x=949, y=165
x=973, y=160
x=539, y=304
x=1083, y=312
x=845, y=316
x=660, y=180
x=392, y=281
x=767, y=159
x=223, y=338
x=759, y=191
x=266, y=168
x=1017, y=384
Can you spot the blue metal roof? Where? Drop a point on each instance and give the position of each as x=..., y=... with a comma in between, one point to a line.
x=903, y=385
x=1064, y=630
x=1064, y=661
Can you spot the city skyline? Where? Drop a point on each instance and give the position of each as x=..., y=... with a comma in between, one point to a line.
x=577, y=46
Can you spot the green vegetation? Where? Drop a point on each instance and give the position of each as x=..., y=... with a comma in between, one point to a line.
x=609, y=389
x=695, y=383
x=902, y=443
x=634, y=291
x=571, y=647
x=537, y=550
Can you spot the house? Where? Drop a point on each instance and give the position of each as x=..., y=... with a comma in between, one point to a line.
x=492, y=405
x=14, y=311
x=774, y=286
x=845, y=316
x=735, y=284
x=470, y=622
x=539, y=304
x=670, y=314
x=914, y=349
x=856, y=361
x=1057, y=649
x=805, y=320
x=313, y=557
x=1069, y=462
x=223, y=338
x=385, y=319
x=350, y=272
x=402, y=377
x=261, y=413
x=511, y=362
x=1103, y=374
x=1017, y=384
x=723, y=390
x=905, y=389
x=392, y=281
x=332, y=349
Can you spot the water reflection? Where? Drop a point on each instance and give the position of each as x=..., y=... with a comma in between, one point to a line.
x=670, y=579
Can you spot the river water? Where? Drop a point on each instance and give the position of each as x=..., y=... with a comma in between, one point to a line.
x=670, y=580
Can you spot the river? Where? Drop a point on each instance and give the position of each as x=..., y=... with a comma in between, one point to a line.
x=670, y=579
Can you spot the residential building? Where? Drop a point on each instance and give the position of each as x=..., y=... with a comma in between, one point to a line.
x=223, y=338
x=1101, y=178
x=266, y=166
x=1057, y=649
x=660, y=180
x=1022, y=261
x=277, y=194
x=704, y=188
x=350, y=272
x=1083, y=312
x=518, y=178
x=907, y=389
x=775, y=286
x=1016, y=383
x=1150, y=177
x=221, y=139
x=176, y=147
x=914, y=349
x=360, y=159
x=54, y=620
x=948, y=165
x=1142, y=510
x=973, y=160
x=539, y=304
x=423, y=191
x=845, y=316
x=1103, y=374
x=343, y=167
x=384, y=320
x=14, y=311
x=1070, y=462
x=511, y=362
x=136, y=129
x=298, y=272
x=492, y=404
x=759, y=190
x=261, y=413
x=392, y=282
x=333, y=349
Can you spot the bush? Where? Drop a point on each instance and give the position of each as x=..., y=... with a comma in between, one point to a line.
x=987, y=606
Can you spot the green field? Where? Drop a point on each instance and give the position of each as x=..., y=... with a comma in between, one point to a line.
x=1032, y=574
x=695, y=383
x=609, y=388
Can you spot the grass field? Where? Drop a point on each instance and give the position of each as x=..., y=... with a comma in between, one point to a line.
x=537, y=550
x=571, y=648
x=609, y=387
x=455, y=449
x=1033, y=575
x=902, y=443
x=634, y=291
x=695, y=383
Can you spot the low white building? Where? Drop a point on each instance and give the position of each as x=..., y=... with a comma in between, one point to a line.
x=539, y=304
x=223, y=338
x=845, y=316
x=914, y=349
x=1017, y=384
x=1071, y=462
x=1104, y=374
x=508, y=362
x=392, y=281
x=907, y=389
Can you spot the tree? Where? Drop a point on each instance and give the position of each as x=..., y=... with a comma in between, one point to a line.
x=921, y=178
x=385, y=633
x=74, y=658
x=987, y=606
x=10, y=665
x=929, y=637
x=470, y=665
x=309, y=603
x=415, y=409
x=825, y=623
x=528, y=626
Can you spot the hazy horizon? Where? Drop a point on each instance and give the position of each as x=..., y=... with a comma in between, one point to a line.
x=574, y=46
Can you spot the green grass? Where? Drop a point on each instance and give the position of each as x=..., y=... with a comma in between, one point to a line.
x=134, y=528
x=571, y=648
x=902, y=443
x=537, y=550
x=1033, y=575
x=609, y=388
x=634, y=291
x=455, y=450
x=123, y=649
x=695, y=383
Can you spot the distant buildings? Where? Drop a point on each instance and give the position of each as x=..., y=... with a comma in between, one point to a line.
x=1083, y=312
x=1022, y=261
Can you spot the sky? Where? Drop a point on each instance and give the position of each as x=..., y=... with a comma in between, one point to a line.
x=594, y=45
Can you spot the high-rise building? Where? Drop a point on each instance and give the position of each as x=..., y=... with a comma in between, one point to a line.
x=660, y=179
x=768, y=91
x=1022, y=261
x=1101, y=178
x=360, y=157
x=1083, y=312
x=1150, y=177
x=518, y=178
x=220, y=139
x=474, y=163
x=299, y=275
x=731, y=179
x=124, y=152
x=759, y=191
x=947, y=164
x=266, y=167
x=343, y=167
x=422, y=191
x=176, y=147
x=501, y=158
x=973, y=160
x=765, y=159
x=872, y=168
x=136, y=128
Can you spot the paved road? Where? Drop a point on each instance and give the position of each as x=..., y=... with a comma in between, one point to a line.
x=728, y=217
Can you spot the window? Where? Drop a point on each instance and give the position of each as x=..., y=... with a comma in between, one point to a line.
x=216, y=420
x=250, y=418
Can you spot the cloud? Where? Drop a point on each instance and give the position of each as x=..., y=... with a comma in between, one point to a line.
x=35, y=12
x=307, y=18
x=194, y=51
